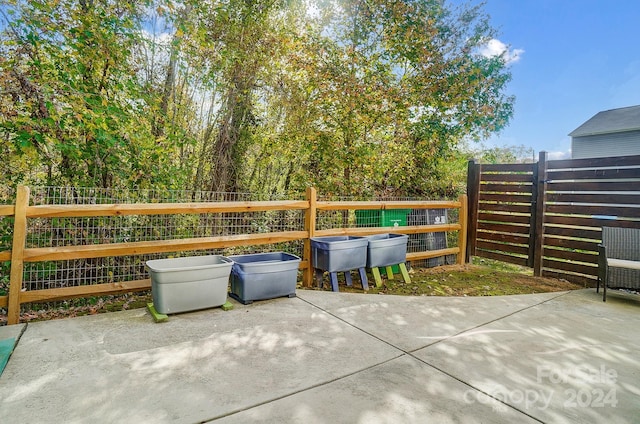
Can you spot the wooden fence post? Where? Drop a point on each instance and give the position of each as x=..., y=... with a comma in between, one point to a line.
x=538, y=248
x=17, y=255
x=310, y=228
x=473, y=193
x=462, y=234
x=532, y=219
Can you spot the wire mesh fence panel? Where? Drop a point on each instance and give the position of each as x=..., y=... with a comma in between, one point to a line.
x=52, y=232
x=418, y=242
x=79, y=231
x=6, y=232
x=5, y=266
x=47, y=195
x=327, y=219
x=7, y=197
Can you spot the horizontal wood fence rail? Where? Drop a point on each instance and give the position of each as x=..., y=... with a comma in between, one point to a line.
x=7, y=210
x=160, y=246
x=51, y=211
x=22, y=212
x=404, y=204
x=549, y=215
x=63, y=293
x=413, y=229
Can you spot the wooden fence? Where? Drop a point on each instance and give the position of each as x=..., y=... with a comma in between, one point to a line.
x=549, y=215
x=22, y=212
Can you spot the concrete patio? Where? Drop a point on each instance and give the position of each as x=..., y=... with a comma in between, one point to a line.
x=328, y=357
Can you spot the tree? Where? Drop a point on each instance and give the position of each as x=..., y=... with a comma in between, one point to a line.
x=397, y=85
x=506, y=154
x=352, y=96
x=72, y=96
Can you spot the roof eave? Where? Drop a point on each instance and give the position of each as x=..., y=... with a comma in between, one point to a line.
x=577, y=133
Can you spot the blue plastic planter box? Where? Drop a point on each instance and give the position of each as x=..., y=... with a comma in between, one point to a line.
x=339, y=253
x=263, y=276
x=386, y=249
x=189, y=283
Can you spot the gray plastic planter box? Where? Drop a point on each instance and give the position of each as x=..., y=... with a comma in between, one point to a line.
x=386, y=249
x=190, y=283
x=339, y=253
x=263, y=276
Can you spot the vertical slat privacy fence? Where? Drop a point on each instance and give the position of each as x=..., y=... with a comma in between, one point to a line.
x=113, y=243
x=554, y=222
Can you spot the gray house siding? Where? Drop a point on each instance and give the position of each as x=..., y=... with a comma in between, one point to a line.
x=614, y=132
x=606, y=145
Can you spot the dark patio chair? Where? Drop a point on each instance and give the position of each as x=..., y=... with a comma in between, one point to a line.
x=619, y=259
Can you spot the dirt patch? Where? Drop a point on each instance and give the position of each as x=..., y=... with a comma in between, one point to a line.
x=459, y=280
x=485, y=278
x=85, y=306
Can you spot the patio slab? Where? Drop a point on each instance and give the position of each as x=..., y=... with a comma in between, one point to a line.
x=410, y=323
x=12, y=331
x=573, y=359
x=122, y=367
x=329, y=357
x=403, y=390
x=9, y=336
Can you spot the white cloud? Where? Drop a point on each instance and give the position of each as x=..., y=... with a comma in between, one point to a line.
x=495, y=47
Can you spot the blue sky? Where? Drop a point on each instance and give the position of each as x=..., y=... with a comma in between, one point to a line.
x=576, y=58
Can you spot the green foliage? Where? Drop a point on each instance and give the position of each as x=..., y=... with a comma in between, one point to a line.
x=392, y=89
x=74, y=105
x=507, y=154
x=351, y=96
